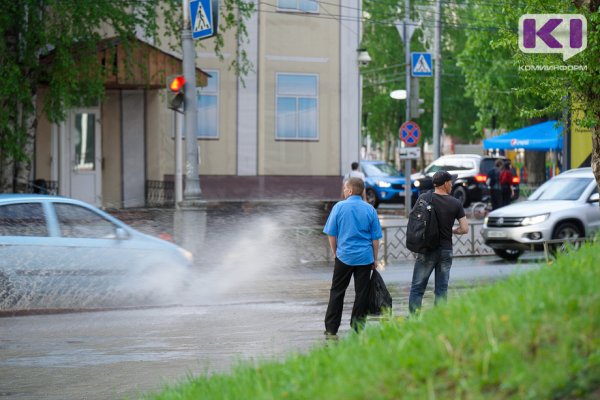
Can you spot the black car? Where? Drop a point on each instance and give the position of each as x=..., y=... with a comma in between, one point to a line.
x=471, y=170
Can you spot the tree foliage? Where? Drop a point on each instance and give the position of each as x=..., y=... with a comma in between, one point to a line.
x=53, y=44
x=387, y=73
x=501, y=87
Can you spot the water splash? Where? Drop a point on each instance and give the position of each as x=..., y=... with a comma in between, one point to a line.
x=238, y=255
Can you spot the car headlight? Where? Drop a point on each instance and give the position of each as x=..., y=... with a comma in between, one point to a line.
x=186, y=254
x=537, y=219
x=485, y=221
x=417, y=184
x=383, y=184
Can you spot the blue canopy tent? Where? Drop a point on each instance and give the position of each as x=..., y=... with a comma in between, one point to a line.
x=546, y=136
x=539, y=137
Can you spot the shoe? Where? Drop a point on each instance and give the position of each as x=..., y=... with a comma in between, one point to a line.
x=330, y=336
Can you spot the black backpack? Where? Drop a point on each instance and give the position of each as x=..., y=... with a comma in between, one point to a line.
x=422, y=233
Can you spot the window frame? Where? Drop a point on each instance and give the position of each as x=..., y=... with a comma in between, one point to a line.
x=200, y=92
x=57, y=205
x=298, y=9
x=45, y=226
x=316, y=138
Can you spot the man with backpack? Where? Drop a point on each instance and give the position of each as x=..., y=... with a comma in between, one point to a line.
x=435, y=256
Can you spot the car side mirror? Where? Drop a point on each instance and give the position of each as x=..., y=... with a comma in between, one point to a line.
x=121, y=234
x=594, y=198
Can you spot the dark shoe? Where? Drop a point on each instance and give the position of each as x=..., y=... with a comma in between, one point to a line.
x=330, y=336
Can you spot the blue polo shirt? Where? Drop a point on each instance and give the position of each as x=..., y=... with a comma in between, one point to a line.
x=355, y=224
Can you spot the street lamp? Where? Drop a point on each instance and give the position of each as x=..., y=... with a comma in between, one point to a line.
x=398, y=94
x=363, y=57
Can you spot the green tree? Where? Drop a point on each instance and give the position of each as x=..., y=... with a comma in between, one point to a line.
x=67, y=32
x=387, y=73
x=523, y=93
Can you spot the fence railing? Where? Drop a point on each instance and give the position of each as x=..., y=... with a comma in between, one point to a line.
x=160, y=193
x=313, y=245
x=42, y=186
x=555, y=246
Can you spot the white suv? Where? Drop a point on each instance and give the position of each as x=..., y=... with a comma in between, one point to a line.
x=564, y=207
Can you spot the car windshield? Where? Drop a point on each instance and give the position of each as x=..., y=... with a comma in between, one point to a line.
x=380, y=170
x=561, y=189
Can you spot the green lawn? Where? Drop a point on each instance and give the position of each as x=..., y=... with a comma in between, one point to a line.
x=533, y=336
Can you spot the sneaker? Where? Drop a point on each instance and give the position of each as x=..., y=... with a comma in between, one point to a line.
x=330, y=336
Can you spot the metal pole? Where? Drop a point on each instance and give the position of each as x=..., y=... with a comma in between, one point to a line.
x=437, y=84
x=407, y=164
x=192, y=185
x=178, y=158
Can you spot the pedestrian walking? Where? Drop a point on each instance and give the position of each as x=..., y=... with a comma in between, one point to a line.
x=353, y=231
x=355, y=172
x=506, y=178
x=447, y=209
x=493, y=182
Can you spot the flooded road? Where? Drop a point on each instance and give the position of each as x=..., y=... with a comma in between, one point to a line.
x=268, y=314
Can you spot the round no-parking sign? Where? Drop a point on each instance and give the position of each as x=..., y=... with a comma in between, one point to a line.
x=410, y=133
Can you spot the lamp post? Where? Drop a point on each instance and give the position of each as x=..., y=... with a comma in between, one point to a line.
x=363, y=60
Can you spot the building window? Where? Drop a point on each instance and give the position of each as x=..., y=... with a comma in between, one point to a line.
x=296, y=108
x=298, y=5
x=208, y=107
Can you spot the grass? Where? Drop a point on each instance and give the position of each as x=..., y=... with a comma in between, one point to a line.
x=532, y=336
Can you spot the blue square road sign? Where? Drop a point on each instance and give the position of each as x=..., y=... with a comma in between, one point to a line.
x=421, y=64
x=202, y=18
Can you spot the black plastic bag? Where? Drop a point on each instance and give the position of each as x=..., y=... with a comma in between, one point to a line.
x=379, y=297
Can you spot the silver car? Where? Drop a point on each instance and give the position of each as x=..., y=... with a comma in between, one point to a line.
x=564, y=207
x=56, y=250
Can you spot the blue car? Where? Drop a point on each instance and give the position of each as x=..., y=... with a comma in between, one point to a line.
x=384, y=184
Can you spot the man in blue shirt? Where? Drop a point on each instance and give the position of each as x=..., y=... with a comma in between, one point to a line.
x=353, y=231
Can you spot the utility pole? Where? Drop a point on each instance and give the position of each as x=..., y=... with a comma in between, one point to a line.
x=437, y=84
x=192, y=185
x=407, y=162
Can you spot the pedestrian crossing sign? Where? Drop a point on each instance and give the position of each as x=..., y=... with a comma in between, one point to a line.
x=204, y=15
x=421, y=65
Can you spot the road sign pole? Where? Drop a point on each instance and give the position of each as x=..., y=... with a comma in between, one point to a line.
x=192, y=189
x=437, y=76
x=407, y=164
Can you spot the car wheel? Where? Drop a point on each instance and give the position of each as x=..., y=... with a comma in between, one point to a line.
x=461, y=194
x=565, y=231
x=508, y=254
x=372, y=198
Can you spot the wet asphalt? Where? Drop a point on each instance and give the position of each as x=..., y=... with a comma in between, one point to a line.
x=127, y=352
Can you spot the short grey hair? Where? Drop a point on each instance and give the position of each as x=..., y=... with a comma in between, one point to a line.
x=356, y=185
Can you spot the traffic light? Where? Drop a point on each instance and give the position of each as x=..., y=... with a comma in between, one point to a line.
x=415, y=101
x=175, y=85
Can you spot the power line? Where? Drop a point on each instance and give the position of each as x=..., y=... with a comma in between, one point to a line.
x=365, y=20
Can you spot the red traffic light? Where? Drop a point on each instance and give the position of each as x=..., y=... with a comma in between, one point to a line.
x=177, y=83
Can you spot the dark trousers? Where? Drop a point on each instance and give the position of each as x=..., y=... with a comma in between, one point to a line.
x=440, y=261
x=496, y=195
x=506, y=195
x=339, y=283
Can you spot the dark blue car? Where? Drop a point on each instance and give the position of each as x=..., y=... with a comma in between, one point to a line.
x=383, y=183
